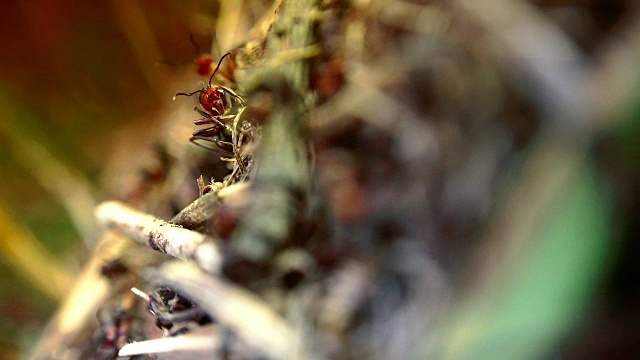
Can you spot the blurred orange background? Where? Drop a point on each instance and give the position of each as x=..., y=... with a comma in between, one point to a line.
x=75, y=78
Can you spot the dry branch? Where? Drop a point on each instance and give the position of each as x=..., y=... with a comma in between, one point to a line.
x=78, y=311
x=160, y=235
x=198, y=213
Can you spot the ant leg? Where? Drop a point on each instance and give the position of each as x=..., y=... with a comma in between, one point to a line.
x=217, y=149
x=221, y=142
x=211, y=120
x=206, y=115
x=208, y=135
x=233, y=94
x=204, y=121
x=208, y=132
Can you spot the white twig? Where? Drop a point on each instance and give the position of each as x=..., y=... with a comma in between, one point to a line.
x=141, y=294
x=160, y=235
x=201, y=344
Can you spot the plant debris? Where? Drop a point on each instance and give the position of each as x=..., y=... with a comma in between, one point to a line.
x=365, y=144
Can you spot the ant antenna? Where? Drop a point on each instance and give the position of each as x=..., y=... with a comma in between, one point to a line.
x=218, y=67
x=185, y=94
x=210, y=79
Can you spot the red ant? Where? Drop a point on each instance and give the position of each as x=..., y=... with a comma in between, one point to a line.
x=203, y=64
x=217, y=101
x=204, y=61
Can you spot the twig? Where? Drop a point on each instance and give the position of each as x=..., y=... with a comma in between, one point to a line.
x=160, y=235
x=202, y=343
x=235, y=142
x=254, y=321
x=141, y=294
x=89, y=292
x=196, y=215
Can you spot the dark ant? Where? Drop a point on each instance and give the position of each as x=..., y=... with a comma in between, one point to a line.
x=174, y=313
x=118, y=326
x=114, y=331
x=217, y=101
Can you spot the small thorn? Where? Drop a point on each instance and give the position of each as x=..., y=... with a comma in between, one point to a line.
x=140, y=293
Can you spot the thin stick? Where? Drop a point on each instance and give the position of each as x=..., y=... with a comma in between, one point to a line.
x=201, y=344
x=198, y=213
x=235, y=142
x=160, y=235
x=90, y=291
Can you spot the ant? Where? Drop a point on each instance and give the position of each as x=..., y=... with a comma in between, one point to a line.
x=203, y=64
x=175, y=314
x=204, y=61
x=217, y=101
